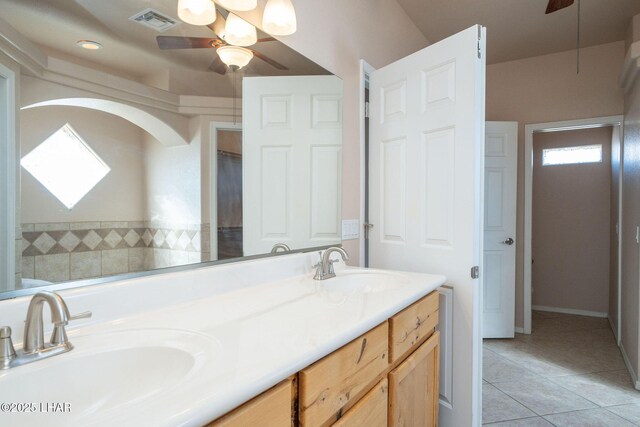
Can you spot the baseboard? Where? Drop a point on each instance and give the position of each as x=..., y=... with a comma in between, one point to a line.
x=634, y=377
x=570, y=311
x=614, y=329
x=519, y=330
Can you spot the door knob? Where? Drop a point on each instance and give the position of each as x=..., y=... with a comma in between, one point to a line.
x=509, y=241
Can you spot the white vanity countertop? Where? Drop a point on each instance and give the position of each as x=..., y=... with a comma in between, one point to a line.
x=247, y=339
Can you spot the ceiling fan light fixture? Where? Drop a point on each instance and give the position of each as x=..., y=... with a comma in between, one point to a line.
x=234, y=57
x=239, y=32
x=279, y=18
x=239, y=5
x=197, y=12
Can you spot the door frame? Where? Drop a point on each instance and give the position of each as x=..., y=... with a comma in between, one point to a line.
x=9, y=194
x=365, y=71
x=214, y=127
x=529, y=130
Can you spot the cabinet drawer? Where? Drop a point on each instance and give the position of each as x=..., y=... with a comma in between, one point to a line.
x=273, y=408
x=412, y=325
x=370, y=411
x=329, y=387
x=413, y=387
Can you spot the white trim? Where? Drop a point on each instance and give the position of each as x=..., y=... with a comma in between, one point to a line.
x=445, y=325
x=365, y=69
x=8, y=165
x=518, y=330
x=529, y=130
x=618, y=332
x=570, y=311
x=627, y=362
x=214, y=127
x=613, y=328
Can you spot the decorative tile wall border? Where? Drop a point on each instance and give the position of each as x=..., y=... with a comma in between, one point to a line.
x=59, y=238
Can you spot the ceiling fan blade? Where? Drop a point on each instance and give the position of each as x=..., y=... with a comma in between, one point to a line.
x=218, y=66
x=269, y=61
x=266, y=39
x=555, y=5
x=176, y=42
x=218, y=25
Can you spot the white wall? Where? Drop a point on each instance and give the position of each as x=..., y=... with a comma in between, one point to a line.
x=173, y=181
x=119, y=196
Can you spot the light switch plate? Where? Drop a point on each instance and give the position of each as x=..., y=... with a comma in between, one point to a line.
x=350, y=229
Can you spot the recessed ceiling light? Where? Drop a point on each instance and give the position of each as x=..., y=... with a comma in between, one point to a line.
x=89, y=44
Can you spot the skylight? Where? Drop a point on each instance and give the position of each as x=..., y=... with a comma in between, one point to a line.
x=572, y=155
x=66, y=166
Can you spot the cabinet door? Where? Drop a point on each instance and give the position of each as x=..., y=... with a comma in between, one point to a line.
x=413, y=387
x=370, y=411
x=273, y=408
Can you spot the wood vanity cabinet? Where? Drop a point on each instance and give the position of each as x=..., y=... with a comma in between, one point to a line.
x=329, y=387
x=388, y=376
x=413, y=387
x=370, y=411
x=273, y=408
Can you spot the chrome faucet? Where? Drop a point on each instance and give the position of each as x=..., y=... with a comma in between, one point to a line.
x=325, y=266
x=34, y=347
x=278, y=246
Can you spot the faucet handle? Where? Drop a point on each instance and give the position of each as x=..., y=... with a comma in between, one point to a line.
x=59, y=335
x=331, y=262
x=83, y=315
x=7, y=352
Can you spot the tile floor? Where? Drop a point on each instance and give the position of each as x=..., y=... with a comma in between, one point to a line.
x=568, y=372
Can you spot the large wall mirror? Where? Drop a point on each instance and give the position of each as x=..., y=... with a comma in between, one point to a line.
x=140, y=149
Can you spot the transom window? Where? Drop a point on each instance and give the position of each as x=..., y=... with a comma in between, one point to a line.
x=66, y=166
x=572, y=155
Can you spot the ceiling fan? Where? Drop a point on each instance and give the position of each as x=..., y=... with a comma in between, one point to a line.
x=555, y=5
x=179, y=42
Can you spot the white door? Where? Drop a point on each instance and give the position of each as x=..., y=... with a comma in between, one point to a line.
x=499, y=264
x=427, y=160
x=292, y=162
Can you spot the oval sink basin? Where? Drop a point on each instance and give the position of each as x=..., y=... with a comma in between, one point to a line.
x=108, y=371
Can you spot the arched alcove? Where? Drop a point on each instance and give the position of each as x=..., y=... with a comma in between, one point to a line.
x=156, y=127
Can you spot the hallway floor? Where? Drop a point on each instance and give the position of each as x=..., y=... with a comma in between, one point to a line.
x=568, y=372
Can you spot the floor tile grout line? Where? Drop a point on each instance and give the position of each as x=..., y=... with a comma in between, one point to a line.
x=517, y=401
x=517, y=419
x=624, y=418
x=539, y=344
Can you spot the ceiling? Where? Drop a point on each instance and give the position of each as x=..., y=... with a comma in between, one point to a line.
x=515, y=29
x=519, y=29
x=130, y=49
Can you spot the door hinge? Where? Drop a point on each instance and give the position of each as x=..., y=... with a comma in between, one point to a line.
x=475, y=272
x=366, y=109
x=479, y=40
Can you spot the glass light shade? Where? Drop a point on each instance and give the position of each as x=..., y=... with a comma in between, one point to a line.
x=240, y=5
x=197, y=12
x=279, y=18
x=234, y=56
x=239, y=32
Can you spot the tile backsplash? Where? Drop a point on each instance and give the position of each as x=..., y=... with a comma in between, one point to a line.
x=57, y=252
